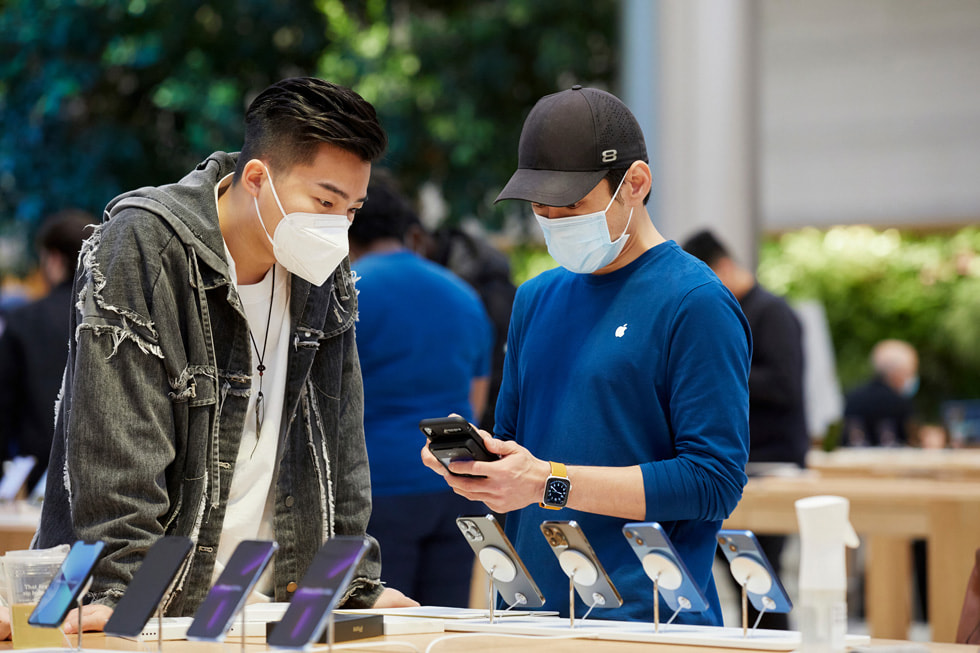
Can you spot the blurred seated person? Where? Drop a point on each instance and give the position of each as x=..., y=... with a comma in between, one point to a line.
x=424, y=343
x=881, y=413
x=34, y=344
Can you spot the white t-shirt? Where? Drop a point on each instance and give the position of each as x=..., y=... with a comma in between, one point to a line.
x=250, y=508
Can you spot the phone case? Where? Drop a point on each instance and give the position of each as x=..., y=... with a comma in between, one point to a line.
x=150, y=583
x=223, y=601
x=579, y=561
x=62, y=593
x=321, y=589
x=453, y=439
x=764, y=590
x=492, y=548
x=676, y=587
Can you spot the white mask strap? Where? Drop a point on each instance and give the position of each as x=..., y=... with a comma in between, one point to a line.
x=274, y=193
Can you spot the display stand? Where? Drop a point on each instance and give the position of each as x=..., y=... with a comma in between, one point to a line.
x=498, y=566
x=79, y=601
x=664, y=573
x=581, y=570
x=755, y=578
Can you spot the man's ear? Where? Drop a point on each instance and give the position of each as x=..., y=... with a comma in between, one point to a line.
x=638, y=182
x=253, y=174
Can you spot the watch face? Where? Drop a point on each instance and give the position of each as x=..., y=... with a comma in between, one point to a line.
x=556, y=493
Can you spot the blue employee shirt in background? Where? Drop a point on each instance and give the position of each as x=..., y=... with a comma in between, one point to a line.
x=422, y=337
x=646, y=365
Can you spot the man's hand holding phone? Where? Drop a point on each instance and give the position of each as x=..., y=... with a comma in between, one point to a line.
x=514, y=481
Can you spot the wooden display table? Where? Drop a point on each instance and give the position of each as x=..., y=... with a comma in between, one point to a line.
x=887, y=513
x=18, y=521
x=462, y=643
x=940, y=464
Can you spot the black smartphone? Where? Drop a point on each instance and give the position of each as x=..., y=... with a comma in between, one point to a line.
x=581, y=564
x=150, y=583
x=453, y=439
x=322, y=587
x=62, y=593
x=228, y=595
x=498, y=557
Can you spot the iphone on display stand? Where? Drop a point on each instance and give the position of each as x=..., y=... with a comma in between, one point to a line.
x=751, y=569
x=321, y=589
x=68, y=587
x=496, y=554
x=228, y=595
x=662, y=563
x=580, y=563
x=150, y=584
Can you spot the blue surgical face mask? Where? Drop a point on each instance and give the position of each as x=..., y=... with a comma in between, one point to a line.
x=581, y=243
x=911, y=386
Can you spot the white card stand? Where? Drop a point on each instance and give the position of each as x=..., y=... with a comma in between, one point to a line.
x=664, y=573
x=498, y=566
x=579, y=569
x=751, y=576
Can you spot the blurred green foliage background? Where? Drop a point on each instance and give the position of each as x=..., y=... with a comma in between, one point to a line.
x=101, y=96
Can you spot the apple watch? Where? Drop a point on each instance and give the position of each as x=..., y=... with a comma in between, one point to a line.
x=556, y=488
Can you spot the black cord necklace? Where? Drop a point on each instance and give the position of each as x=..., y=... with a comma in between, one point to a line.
x=260, y=398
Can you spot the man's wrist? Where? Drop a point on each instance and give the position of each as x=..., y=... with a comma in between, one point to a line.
x=556, y=488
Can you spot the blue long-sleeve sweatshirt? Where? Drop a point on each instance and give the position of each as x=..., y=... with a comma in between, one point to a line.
x=647, y=365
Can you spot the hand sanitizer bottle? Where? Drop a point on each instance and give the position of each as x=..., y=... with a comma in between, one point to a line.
x=825, y=530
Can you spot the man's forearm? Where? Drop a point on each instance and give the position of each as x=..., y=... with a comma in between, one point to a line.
x=613, y=491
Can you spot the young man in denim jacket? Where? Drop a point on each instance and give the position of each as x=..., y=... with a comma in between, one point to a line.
x=213, y=388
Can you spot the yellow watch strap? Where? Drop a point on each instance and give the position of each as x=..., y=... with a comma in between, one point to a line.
x=558, y=469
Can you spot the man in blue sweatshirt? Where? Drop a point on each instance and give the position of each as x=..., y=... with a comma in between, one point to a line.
x=626, y=377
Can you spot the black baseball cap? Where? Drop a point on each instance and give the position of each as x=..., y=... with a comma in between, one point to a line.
x=569, y=142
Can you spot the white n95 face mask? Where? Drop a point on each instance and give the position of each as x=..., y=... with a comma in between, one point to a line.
x=310, y=245
x=581, y=243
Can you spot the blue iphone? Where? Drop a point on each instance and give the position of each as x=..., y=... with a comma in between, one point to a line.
x=228, y=595
x=751, y=567
x=67, y=584
x=654, y=549
x=322, y=587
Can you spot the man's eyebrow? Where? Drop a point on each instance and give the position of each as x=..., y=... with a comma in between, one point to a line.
x=333, y=189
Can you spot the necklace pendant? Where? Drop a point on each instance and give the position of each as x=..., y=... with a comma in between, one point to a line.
x=259, y=413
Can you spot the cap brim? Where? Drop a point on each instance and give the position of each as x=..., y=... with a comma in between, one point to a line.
x=550, y=187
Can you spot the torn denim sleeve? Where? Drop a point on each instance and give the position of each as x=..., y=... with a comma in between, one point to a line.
x=119, y=437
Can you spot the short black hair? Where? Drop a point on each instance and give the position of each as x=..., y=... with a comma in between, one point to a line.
x=288, y=121
x=705, y=246
x=63, y=232
x=386, y=213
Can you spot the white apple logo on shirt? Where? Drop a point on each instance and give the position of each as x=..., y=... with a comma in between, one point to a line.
x=620, y=331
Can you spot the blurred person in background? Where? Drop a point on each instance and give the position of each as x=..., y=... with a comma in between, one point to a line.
x=424, y=341
x=777, y=415
x=34, y=344
x=487, y=270
x=881, y=412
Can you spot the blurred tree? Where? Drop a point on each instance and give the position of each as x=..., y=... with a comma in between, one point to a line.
x=101, y=96
x=890, y=284
x=454, y=79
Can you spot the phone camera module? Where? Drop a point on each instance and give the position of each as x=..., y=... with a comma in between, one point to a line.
x=471, y=531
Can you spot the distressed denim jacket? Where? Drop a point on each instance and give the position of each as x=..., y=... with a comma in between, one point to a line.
x=155, y=391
